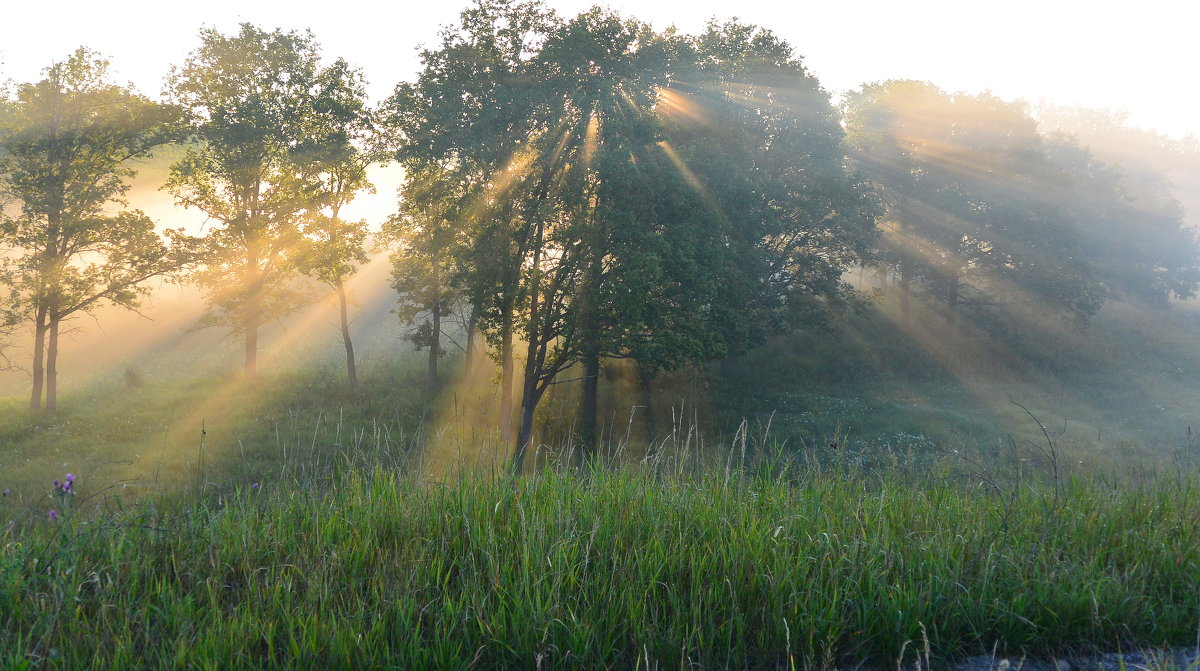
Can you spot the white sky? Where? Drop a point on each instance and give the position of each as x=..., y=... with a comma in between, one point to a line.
x=1138, y=56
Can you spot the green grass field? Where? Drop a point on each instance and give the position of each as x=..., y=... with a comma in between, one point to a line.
x=781, y=564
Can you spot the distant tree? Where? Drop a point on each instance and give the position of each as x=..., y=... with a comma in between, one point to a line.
x=251, y=97
x=68, y=149
x=1132, y=232
x=338, y=145
x=424, y=237
x=1149, y=162
x=974, y=207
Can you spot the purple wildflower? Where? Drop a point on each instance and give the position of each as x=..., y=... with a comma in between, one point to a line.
x=57, y=484
x=254, y=486
x=70, y=478
x=7, y=492
x=53, y=514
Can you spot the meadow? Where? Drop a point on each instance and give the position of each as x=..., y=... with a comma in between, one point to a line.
x=869, y=521
x=677, y=562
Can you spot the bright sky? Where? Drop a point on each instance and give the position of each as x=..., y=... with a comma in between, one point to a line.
x=1138, y=56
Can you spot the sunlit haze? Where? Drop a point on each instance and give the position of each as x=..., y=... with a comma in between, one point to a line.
x=1120, y=55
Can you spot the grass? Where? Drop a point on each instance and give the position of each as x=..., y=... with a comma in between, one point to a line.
x=662, y=565
x=177, y=430
x=362, y=548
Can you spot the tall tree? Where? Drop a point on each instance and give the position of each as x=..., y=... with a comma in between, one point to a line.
x=471, y=115
x=338, y=144
x=602, y=74
x=68, y=149
x=251, y=99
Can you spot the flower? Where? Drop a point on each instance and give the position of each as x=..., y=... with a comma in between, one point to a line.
x=53, y=514
x=254, y=486
x=7, y=492
x=67, y=487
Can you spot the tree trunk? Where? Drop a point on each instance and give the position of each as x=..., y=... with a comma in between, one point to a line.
x=47, y=278
x=52, y=366
x=469, y=348
x=905, y=288
x=589, y=322
x=534, y=350
x=39, y=358
x=254, y=283
x=506, y=378
x=646, y=380
x=589, y=400
x=435, y=334
x=529, y=392
x=525, y=435
x=535, y=346
x=250, y=366
x=351, y=369
x=252, y=323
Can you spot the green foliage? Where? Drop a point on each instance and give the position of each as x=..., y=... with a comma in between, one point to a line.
x=427, y=239
x=69, y=145
x=762, y=145
x=247, y=96
x=336, y=148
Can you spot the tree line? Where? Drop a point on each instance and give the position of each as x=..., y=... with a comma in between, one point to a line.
x=576, y=190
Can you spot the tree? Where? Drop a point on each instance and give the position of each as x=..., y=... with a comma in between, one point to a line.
x=1132, y=228
x=602, y=73
x=251, y=99
x=470, y=116
x=424, y=237
x=337, y=146
x=738, y=219
x=68, y=147
x=975, y=210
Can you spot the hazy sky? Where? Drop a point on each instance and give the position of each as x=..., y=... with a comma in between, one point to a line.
x=1139, y=56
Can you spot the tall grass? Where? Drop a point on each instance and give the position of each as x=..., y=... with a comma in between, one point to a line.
x=656, y=566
